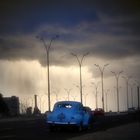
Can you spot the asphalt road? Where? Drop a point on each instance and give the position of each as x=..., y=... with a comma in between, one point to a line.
x=36, y=128
x=32, y=129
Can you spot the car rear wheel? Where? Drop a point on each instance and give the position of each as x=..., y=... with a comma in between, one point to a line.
x=80, y=127
x=89, y=124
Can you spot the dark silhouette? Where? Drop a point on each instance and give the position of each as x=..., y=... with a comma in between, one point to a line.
x=13, y=105
x=4, y=110
x=29, y=111
x=36, y=109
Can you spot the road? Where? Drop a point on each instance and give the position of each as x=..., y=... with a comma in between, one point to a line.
x=32, y=129
x=36, y=129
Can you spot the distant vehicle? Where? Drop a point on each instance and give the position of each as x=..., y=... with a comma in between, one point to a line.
x=99, y=112
x=131, y=110
x=91, y=113
x=69, y=114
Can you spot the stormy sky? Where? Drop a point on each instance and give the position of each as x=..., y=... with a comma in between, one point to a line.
x=108, y=29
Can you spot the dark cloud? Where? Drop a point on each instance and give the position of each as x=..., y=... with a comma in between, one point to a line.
x=118, y=7
x=112, y=52
x=26, y=16
x=107, y=29
x=21, y=49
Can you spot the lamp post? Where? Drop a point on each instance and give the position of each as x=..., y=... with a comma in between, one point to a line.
x=77, y=86
x=74, y=97
x=127, y=85
x=138, y=93
x=68, y=92
x=96, y=93
x=117, y=75
x=132, y=97
x=47, y=48
x=102, y=74
x=80, y=66
x=106, y=92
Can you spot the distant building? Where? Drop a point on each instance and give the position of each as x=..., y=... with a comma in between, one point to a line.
x=13, y=105
x=4, y=111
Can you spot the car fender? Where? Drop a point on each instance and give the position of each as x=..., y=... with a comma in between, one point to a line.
x=86, y=119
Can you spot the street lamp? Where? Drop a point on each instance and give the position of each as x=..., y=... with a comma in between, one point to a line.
x=131, y=86
x=47, y=48
x=127, y=85
x=138, y=87
x=74, y=97
x=77, y=86
x=102, y=74
x=106, y=92
x=117, y=75
x=80, y=66
x=96, y=93
x=68, y=92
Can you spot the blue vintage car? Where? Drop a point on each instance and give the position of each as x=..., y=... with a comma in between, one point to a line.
x=69, y=113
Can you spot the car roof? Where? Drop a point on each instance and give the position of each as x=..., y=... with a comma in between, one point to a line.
x=69, y=102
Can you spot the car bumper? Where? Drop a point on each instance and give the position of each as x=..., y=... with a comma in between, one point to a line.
x=53, y=123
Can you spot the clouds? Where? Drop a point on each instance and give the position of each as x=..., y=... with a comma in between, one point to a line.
x=83, y=37
x=25, y=16
x=109, y=30
x=22, y=77
x=67, y=13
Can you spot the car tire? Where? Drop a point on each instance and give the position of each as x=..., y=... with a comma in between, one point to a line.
x=89, y=126
x=80, y=127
